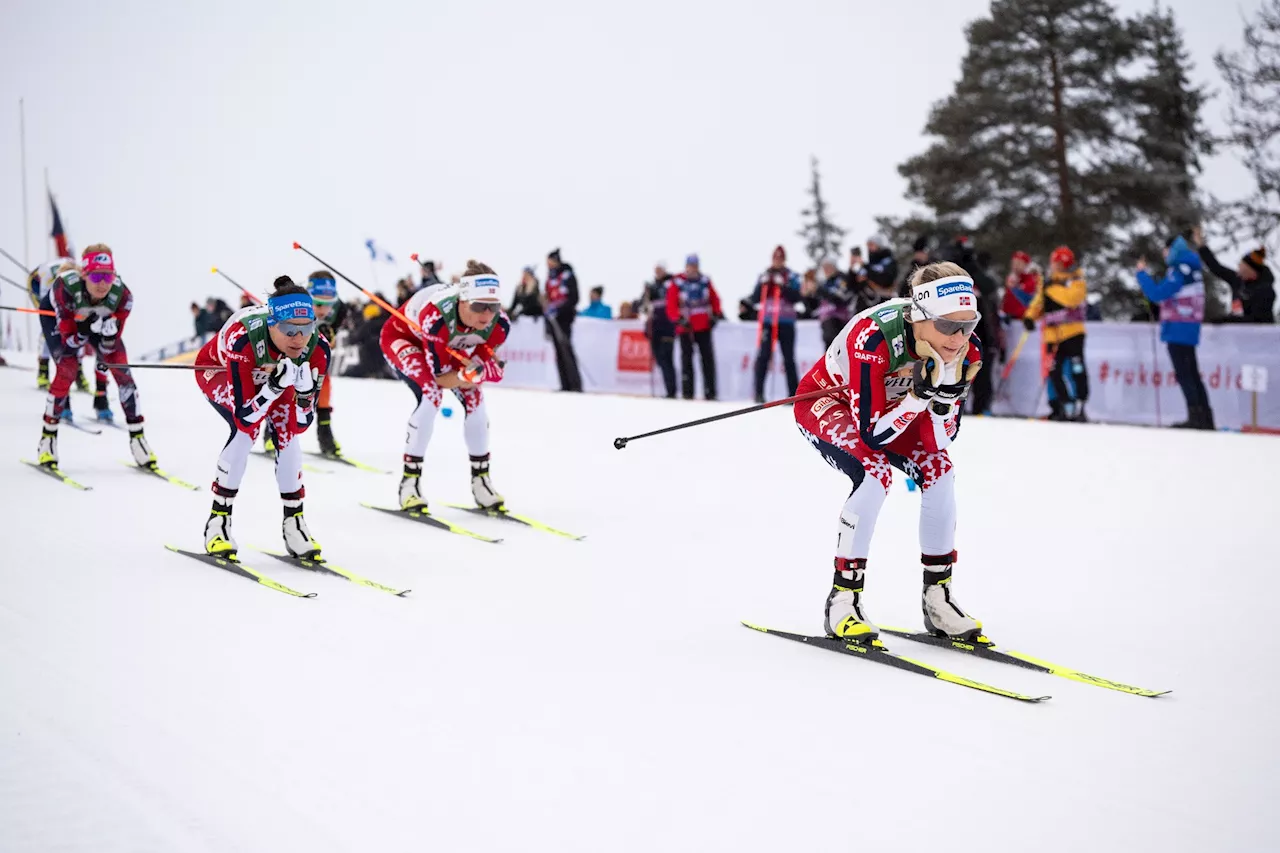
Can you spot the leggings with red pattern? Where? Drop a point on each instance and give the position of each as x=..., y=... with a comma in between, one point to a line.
x=833, y=432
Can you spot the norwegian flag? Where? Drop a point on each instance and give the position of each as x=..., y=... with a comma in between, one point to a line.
x=58, y=234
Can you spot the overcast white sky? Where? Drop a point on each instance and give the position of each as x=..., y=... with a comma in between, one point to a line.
x=187, y=135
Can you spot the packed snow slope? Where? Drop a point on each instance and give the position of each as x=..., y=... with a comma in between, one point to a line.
x=545, y=694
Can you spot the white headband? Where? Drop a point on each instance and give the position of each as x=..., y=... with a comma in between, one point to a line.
x=484, y=287
x=944, y=296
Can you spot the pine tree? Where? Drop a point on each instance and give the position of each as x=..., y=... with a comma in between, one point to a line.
x=1155, y=163
x=1035, y=98
x=1253, y=76
x=822, y=237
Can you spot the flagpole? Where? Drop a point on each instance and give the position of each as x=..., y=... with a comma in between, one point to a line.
x=26, y=238
x=48, y=214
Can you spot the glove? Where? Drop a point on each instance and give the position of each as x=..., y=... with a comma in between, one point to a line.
x=108, y=330
x=949, y=394
x=927, y=374
x=1028, y=324
x=284, y=376
x=304, y=385
x=481, y=370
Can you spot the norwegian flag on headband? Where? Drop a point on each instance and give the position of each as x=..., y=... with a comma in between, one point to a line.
x=60, y=241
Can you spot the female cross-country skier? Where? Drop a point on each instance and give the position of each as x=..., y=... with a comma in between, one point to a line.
x=276, y=361
x=330, y=312
x=908, y=364
x=454, y=348
x=90, y=305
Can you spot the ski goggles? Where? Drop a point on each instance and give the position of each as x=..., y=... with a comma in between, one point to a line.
x=285, y=312
x=485, y=307
x=102, y=277
x=949, y=327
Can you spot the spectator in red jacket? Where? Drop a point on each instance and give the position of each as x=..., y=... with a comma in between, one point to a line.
x=1020, y=287
x=693, y=306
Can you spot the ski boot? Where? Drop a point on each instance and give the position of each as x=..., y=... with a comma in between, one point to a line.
x=844, y=616
x=42, y=374
x=268, y=444
x=102, y=410
x=942, y=615
x=82, y=384
x=324, y=432
x=410, y=485
x=66, y=416
x=47, y=453
x=481, y=488
x=297, y=538
x=218, y=540
x=139, y=448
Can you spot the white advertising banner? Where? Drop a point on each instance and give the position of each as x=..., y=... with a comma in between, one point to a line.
x=1131, y=379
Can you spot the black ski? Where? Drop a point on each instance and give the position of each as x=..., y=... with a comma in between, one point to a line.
x=56, y=474
x=877, y=653
x=985, y=649
x=319, y=564
x=232, y=564
x=423, y=517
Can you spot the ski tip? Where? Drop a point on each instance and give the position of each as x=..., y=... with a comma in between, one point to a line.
x=402, y=593
x=755, y=627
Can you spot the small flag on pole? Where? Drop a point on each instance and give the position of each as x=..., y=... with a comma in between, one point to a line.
x=378, y=254
x=58, y=234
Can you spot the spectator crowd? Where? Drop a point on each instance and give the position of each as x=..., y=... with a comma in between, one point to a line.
x=681, y=309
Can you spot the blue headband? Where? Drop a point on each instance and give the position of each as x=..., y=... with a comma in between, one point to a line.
x=291, y=306
x=324, y=289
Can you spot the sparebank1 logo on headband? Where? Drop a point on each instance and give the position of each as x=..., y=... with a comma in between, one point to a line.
x=955, y=287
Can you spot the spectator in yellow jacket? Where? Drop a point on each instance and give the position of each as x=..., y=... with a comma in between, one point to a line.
x=1061, y=304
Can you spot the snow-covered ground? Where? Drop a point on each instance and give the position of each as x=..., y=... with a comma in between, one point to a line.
x=552, y=695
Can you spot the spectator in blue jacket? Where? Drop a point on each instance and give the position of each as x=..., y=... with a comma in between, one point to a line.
x=777, y=291
x=596, y=307
x=1180, y=295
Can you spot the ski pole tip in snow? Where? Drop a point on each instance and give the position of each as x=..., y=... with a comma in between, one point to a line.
x=619, y=443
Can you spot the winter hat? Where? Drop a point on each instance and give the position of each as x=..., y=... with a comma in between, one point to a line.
x=483, y=287
x=691, y=261
x=780, y=251
x=921, y=244
x=1257, y=258
x=1021, y=256
x=879, y=240
x=943, y=296
x=97, y=259
x=554, y=255
x=1063, y=257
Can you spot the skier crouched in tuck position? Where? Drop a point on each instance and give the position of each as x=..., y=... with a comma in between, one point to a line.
x=453, y=347
x=276, y=362
x=90, y=310
x=908, y=364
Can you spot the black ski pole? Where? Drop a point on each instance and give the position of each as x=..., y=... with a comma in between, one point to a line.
x=237, y=284
x=621, y=442
x=17, y=262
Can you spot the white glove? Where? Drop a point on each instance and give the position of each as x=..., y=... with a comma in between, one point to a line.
x=106, y=327
x=284, y=376
x=305, y=379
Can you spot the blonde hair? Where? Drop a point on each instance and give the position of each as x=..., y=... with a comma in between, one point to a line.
x=96, y=248
x=935, y=271
x=477, y=268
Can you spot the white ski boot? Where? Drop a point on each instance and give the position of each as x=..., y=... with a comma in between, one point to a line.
x=297, y=538
x=218, y=540
x=47, y=453
x=943, y=617
x=410, y=485
x=139, y=448
x=481, y=487
x=844, y=616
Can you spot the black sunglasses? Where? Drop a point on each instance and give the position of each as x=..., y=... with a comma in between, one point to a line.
x=485, y=307
x=949, y=327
